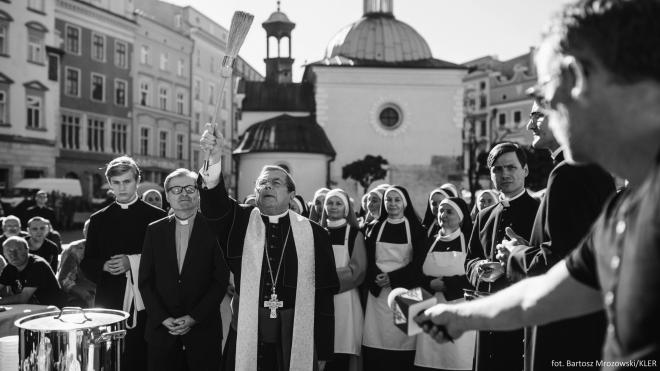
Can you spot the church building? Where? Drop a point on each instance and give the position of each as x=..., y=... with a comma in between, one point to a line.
x=377, y=91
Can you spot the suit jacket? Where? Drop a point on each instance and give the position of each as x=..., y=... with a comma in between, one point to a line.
x=230, y=221
x=196, y=291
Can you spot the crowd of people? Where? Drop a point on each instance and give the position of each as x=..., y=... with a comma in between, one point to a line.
x=566, y=280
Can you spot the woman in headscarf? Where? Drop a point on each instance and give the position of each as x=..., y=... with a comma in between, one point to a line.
x=373, y=207
x=299, y=205
x=316, y=209
x=395, y=252
x=485, y=199
x=444, y=275
x=430, y=221
x=153, y=197
x=351, y=261
x=451, y=190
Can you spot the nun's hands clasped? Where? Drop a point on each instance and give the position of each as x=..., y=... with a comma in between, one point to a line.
x=382, y=280
x=440, y=323
x=211, y=142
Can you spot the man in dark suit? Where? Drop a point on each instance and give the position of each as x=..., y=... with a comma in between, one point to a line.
x=501, y=350
x=574, y=198
x=40, y=208
x=183, y=278
x=284, y=271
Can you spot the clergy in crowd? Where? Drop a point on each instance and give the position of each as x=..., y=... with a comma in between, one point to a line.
x=112, y=254
x=283, y=267
x=599, y=83
x=508, y=169
x=183, y=278
x=351, y=260
x=574, y=198
x=430, y=221
x=27, y=278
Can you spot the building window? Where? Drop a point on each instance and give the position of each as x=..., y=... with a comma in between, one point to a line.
x=3, y=108
x=162, y=144
x=484, y=128
x=34, y=106
x=119, y=136
x=33, y=173
x=144, y=141
x=195, y=161
x=98, y=92
x=197, y=87
x=36, y=51
x=72, y=39
x=144, y=54
x=163, y=61
x=70, y=132
x=197, y=122
x=4, y=39
x=37, y=5
x=179, y=103
x=211, y=93
x=72, y=82
x=390, y=117
x=501, y=119
x=120, y=92
x=53, y=67
x=162, y=98
x=179, y=67
x=179, y=146
x=98, y=47
x=144, y=93
x=121, y=54
x=95, y=135
x=517, y=117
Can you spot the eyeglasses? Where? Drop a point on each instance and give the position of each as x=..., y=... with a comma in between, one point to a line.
x=274, y=183
x=178, y=189
x=537, y=92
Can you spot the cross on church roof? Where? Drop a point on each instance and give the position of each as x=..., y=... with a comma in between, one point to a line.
x=278, y=5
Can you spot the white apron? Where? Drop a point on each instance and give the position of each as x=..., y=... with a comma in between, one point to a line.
x=348, y=310
x=449, y=356
x=379, y=329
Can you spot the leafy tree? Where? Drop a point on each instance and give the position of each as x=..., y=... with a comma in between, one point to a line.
x=365, y=171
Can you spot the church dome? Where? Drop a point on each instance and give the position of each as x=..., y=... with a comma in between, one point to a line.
x=278, y=17
x=379, y=37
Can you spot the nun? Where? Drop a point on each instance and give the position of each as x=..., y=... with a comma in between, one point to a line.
x=485, y=199
x=351, y=261
x=430, y=221
x=299, y=206
x=395, y=252
x=444, y=275
x=316, y=208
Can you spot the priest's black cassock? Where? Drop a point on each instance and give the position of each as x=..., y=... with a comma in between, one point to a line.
x=119, y=229
x=574, y=198
x=498, y=350
x=230, y=221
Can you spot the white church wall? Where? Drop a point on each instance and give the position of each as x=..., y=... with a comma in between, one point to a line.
x=307, y=169
x=349, y=101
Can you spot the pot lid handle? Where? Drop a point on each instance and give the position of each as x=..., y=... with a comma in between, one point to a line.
x=79, y=309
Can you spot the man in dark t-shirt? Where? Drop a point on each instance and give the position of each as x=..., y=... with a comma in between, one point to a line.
x=28, y=277
x=39, y=245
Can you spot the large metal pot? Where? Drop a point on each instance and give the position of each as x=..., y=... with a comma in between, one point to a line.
x=72, y=339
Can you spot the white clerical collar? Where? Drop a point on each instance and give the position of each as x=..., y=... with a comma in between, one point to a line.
x=185, y=221
x=396, y=221
x=336, y=223
x=127, y=204
x=274, y=219
x=504, y=198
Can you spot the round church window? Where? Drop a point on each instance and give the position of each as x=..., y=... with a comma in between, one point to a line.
x=390, y=117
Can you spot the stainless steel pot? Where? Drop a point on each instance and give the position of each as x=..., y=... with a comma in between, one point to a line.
x=72, y=339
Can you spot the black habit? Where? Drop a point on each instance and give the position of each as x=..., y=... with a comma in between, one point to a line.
x=113, y=231
x=229, y=221
x=574, y=198
x=196, y=291
x=498, y=350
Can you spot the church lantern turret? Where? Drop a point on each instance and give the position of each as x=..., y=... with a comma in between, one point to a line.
x=278, y=66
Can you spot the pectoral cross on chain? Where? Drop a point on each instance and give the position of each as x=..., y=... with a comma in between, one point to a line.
x=273, y=304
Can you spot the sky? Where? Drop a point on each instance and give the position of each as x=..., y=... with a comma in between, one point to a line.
x=456, y=30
